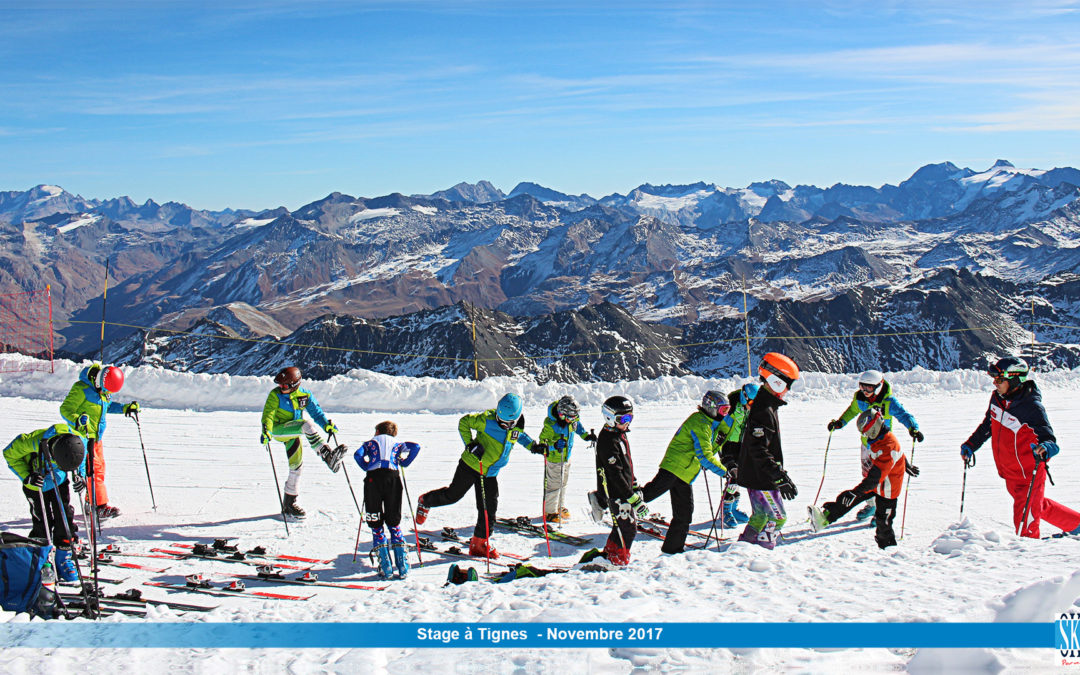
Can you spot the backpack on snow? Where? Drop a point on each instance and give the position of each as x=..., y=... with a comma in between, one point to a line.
x=21, y=560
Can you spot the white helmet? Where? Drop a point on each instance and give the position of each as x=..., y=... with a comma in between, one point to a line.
x=872, y=378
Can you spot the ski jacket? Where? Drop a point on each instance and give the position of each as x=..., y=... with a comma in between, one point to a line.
x=85, y=399
x=694, y=446
x=1012, y=423
x=22, y=455
x=281, y=407
x=559, y=437
x=888, y=405
x=483, y=428
x=385, y=452
x=731, y=427
x=761, y=458
x=886, y=475
x=614, y=468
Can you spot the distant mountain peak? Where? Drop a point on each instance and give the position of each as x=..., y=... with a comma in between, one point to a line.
x=1003, y=164
x=482, y=192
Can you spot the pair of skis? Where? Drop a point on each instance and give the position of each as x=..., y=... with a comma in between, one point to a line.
x=524, y=525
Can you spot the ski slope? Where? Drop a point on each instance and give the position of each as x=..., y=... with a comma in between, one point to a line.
x=212, y=479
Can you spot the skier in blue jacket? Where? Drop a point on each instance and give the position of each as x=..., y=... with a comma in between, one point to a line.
x=381, y=458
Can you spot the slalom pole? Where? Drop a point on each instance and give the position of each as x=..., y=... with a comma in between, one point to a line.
x=907, y=487
x=1027, y=502
x=277, y=487
x=487, y=525
x=416, y=533
x=146, y=464
x=543, y=508
x=825, y=464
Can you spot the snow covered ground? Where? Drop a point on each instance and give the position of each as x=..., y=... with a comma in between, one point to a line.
x=212, y=479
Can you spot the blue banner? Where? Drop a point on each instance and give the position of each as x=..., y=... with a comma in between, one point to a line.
x=527, y=635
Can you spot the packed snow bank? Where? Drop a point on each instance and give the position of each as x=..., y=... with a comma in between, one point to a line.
x=367, y=391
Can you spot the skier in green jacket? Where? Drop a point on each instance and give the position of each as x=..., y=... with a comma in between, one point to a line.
x=560, y=426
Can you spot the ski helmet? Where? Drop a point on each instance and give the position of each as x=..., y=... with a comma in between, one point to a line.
x=714, y=404
x=67, y=451
x=618, y=410
x=871, y=382
x=288, y=378
x=749, y=391
x=567, y=409
x=509, y=408
x=1010, y=368
x=778, y=371
x=110, y=379
x=870, y=423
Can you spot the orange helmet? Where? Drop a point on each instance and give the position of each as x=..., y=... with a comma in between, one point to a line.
x=778, y=371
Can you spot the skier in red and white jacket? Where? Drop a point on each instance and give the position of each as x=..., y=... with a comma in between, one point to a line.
x=1023, y=443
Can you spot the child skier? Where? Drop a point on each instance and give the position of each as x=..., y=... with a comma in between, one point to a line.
x=1023, y=442
x=42, y=460
x=875, y=392
x=616, y=488
x=91, y=396
x=694, y=446
x=883, y=481
x=560, y=426
x=761, y=458
x=380, y=458
x=730, y=434
x=489, y=436
x=283, y=420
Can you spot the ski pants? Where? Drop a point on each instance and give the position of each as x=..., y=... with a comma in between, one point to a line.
x=1039, y=508
x=556, y=475
x=382, y=498
x=486, y=489
x=766, y=519
x=835, y=510
x=52, y=521
x=101, y=494
x=289, y=433
x=617, y=548
x=682, y=507
x=884, y=515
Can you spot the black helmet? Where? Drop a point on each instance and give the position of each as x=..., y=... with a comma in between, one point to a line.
x=618, y=410
x=67, y=451
x=288, y=377
x=714, y=404
x=567, y=408
x=1011, y=368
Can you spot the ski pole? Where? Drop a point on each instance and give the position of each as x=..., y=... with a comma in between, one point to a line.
x=543, y=508
x=907, y=487
x=708, y=492
x=823, y=465
x=611, y=506
x=277, y=488
x=416, y=533
x=963, y=487
x=487, y=525
x=71, y=541
x=716, y=514
x=1027, y=502
x=149, y=482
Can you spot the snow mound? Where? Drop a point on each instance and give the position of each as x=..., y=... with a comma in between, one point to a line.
x=1040, y=602
x=962, y=537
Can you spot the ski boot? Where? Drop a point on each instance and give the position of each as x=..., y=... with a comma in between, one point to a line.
x=332, y=456
x=616, y=555
x=553, y=518
x=482, y=548
x=564, y=515
x=380, y=556
x=819, y=520
x=421, y=511
x=104, y=512
x=401, y=560
x=65, y=566
x=596, y=507
x=292, y=509
x=733, y=514
x=866, y=512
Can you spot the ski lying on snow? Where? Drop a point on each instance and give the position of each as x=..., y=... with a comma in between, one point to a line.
x=449, y=534
x=523, y=525
x=232, y=558
x=89, y=575
x=133, y=598
x=456, y=552
x=220, y=546
x=222, y=591
x=306, y=579
x=104, y=559
x=79, y=603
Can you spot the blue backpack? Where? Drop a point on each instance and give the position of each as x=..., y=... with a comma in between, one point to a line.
x=21, y=560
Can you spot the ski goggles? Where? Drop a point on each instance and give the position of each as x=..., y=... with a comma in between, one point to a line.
x=624, y=419
x=569, y=420
x=288, y=388
x=868, y=388
x=504, y=424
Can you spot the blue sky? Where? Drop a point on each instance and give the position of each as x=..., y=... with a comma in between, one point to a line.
x=261, y=104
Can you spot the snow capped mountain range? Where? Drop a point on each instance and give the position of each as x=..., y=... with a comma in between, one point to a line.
x=679, y=255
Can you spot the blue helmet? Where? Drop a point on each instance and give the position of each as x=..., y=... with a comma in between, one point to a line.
x=749, y=391
x=509, y=408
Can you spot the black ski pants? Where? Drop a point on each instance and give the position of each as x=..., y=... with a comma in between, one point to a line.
x=60, y=524
x=485, y=488
x=835, y=510
x=682, y=507
x=382, y=498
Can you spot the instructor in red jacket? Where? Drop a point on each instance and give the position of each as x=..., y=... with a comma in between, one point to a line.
x=1023, y=443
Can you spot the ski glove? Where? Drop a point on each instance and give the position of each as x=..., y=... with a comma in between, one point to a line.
x=784, y=485
x=637, y=503
x=265, y=438
x=591, y=437
x=917, y=435
x=911, y=470
x=131, y=409
x=847, y=498
x=79, y=483
x=475, y=449
x=1045, y=450
x=967, y=452
x=34, y=481
x=560, y=444
x=82, y=424
x=833, y=425
x=330, y=427
x=539, y=449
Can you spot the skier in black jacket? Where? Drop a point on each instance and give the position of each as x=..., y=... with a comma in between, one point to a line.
x=616, y=487
x=761, y=458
